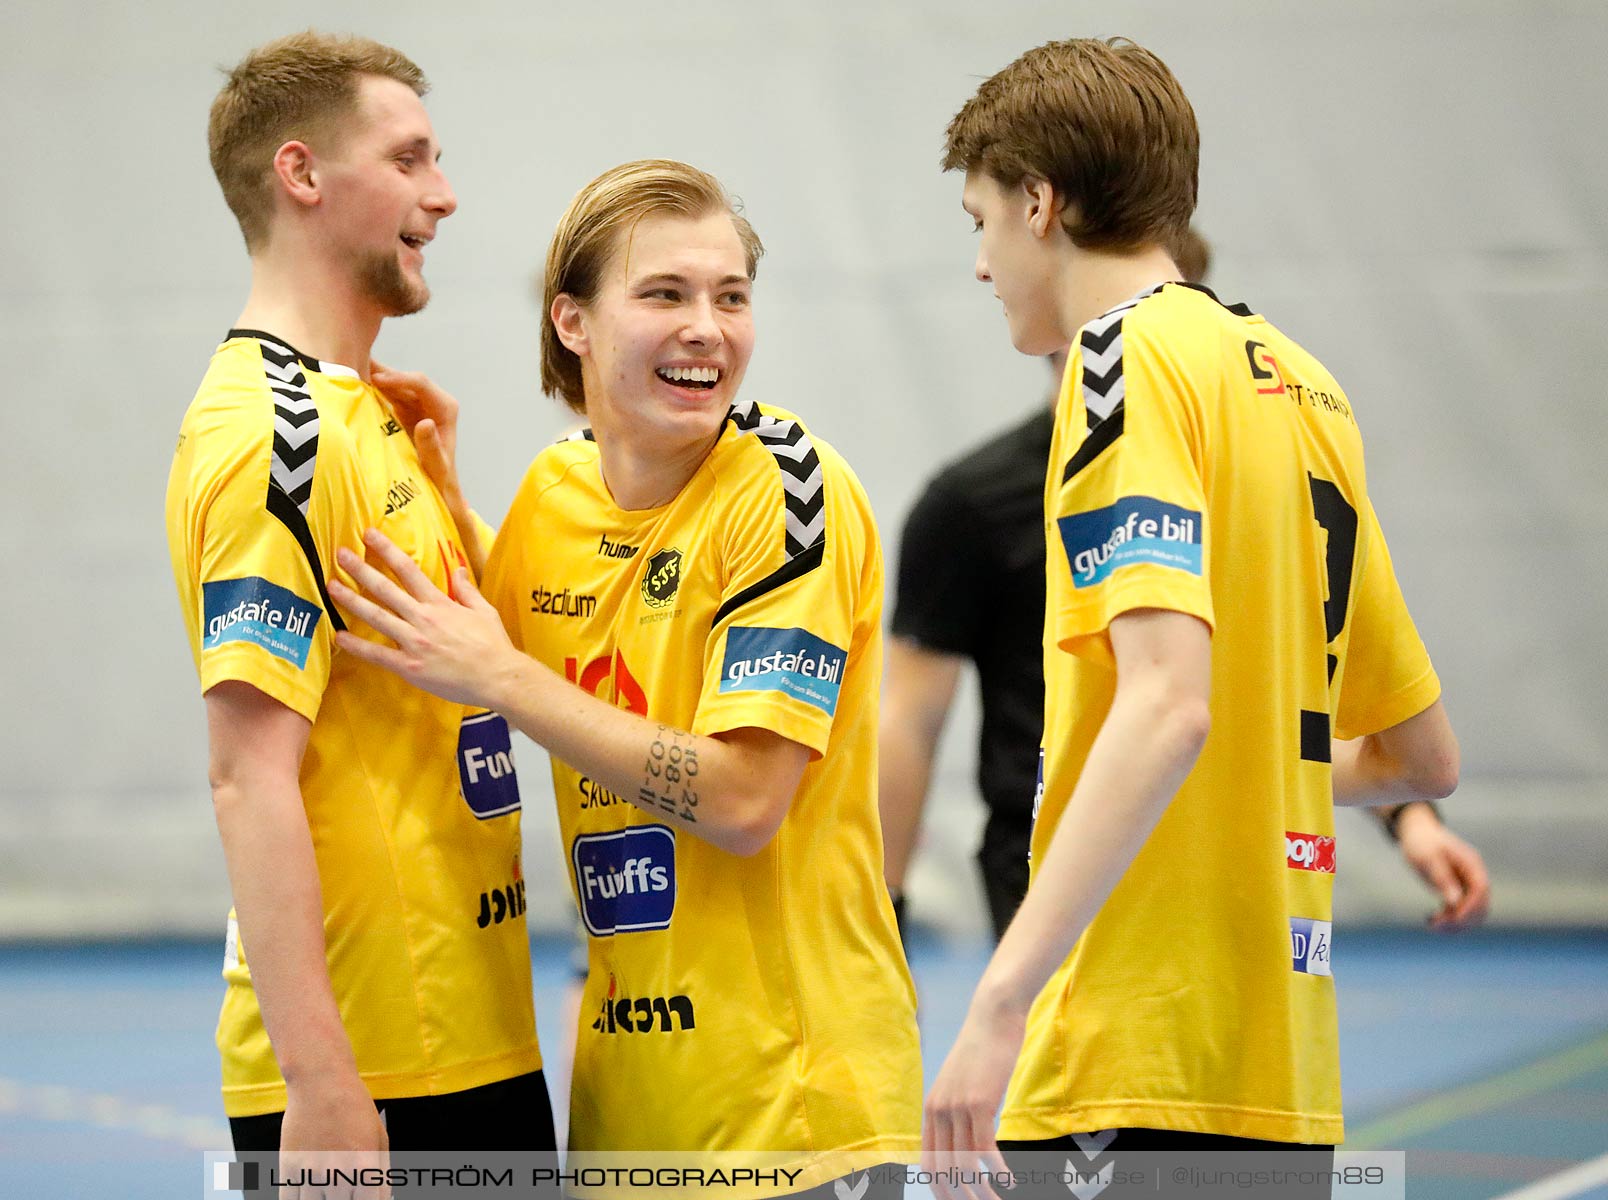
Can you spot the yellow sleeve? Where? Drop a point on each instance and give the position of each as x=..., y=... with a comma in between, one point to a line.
x=799, y=552
x=1127, y=501
x=1387, y=674
x=265, y=516
x=505, y=561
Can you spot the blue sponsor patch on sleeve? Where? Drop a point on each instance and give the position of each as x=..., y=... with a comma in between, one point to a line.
x=1310, y=945
x=262, y=613
x=626, y=880
x=1136, y=529
x=486, y=765
x=793, y=662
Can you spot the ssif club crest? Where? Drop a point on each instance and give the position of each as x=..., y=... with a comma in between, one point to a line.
x=661, y=578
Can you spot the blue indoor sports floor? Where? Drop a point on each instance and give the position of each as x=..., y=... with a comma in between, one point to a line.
x=1484, y=1056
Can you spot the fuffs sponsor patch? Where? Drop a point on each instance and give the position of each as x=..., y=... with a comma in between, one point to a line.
x=1310, y=943
x=626, y=880
x=262, y=613
x=486, y=765
x=793, y=662
x=1134, y=530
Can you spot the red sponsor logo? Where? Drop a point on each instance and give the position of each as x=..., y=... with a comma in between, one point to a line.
x=1309, y=852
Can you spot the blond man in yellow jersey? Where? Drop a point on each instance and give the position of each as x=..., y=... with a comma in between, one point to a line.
x=693, y=586
x=380, y=959
x=1220, y=604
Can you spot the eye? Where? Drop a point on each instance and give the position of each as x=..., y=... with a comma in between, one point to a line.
x=735, y=299
x=408, y=161
x=662, y=293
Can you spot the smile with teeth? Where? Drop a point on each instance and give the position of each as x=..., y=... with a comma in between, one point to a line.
x=701, y=378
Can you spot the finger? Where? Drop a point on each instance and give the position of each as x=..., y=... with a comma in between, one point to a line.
x=388, y=657
x=981, y=1149
x=406, y=571
x=375, y=616
x=992, y=1157
x=467, y=594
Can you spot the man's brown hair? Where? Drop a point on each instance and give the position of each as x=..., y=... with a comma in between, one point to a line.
x=1192, y=255
x=600, y=217
x=1105, y=123
x=294, y=89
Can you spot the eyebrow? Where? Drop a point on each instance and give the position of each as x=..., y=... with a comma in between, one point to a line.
x=672, y=277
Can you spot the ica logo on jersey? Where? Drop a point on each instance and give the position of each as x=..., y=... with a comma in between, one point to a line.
x=1309, y=852
x=793, y=662
x=1136, y=529
x=607, y=674
x=626, y=879
x=262, y=613
x=486, y=765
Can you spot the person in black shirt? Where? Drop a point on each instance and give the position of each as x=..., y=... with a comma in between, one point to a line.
x=970, y=586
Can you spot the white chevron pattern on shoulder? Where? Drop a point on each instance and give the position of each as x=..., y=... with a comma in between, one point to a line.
x=803, y=481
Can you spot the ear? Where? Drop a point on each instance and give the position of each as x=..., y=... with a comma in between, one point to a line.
x=569, y=322
x=1043, y=206
x=293, y=166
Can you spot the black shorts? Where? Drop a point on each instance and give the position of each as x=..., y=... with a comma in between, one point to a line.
x=1217, y=1153
x=1002, y=861
x=511, y=1115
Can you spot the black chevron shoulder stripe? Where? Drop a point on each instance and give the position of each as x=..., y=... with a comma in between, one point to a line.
x=1099, y=439
x=295, y=453
x=803, y=496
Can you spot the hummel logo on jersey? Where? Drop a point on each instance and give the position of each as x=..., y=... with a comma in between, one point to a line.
x=1310, y=942
x=1134, y=530
x=843, y=1191
x=610, y=549
x=626, y=880
x=793, y=662
x=262, y=613
x=1309, y=852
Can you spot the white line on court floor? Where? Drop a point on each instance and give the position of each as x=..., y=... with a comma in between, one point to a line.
x=50, y=1102
x=1565, y=1184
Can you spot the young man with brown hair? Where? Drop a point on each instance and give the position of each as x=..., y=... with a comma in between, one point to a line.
x=378, y=893
x=1220, y=603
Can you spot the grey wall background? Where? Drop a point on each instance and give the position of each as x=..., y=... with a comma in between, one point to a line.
x=1417, y=192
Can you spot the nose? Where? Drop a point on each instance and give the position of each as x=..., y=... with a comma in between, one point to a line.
x=981, y=268
x=702, y=326
x=441, y=199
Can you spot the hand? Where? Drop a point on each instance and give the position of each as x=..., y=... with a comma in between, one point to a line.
x=1451, y=867
x=452, y=646
x=331, y=1122
x=962, y=1110
x=430, y=415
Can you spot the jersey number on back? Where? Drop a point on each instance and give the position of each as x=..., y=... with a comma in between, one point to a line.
x=1338, y=519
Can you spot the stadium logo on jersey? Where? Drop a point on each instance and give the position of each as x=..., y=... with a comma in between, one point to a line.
x=262, y=613
x=610, y=549
x=486, y=766
x=644, y=1014
x=562, y=603
x=503, y=904
x=400, y=494
x=1309, y=852
x=790, y=661
x=662, y=578
x=1310, y=942
x=626, y=880
x=1134, y=530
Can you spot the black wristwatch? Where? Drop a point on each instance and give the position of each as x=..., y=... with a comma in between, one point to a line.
x=1393, y=816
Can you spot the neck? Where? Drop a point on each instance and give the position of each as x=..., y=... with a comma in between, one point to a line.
x=1095, y=281
x=313, y=306
x=641, y=472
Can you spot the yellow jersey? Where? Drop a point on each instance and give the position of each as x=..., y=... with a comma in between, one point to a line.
x=1226, y=481
x=412, y=801
x=732, y=1004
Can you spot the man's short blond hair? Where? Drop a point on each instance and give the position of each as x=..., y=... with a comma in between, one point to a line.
x=1105, y=123
x=599, y=219
x=294, y=89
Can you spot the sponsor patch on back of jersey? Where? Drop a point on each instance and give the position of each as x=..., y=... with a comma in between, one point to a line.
x=793, y=662
x=253, y=610
x=626, y=880
x=1310, y=942
x=1308, y=852
x=486, y=765
x=1134, y=530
